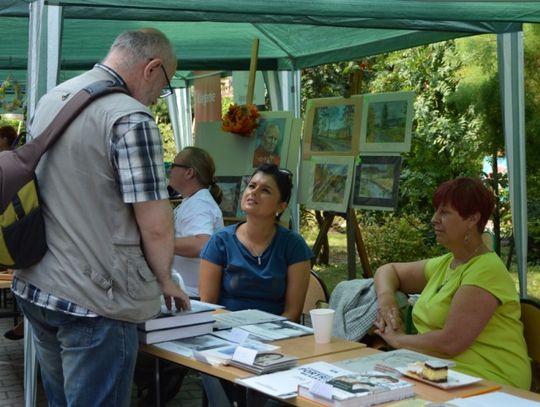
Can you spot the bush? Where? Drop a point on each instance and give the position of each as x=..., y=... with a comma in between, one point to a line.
x=391, y=239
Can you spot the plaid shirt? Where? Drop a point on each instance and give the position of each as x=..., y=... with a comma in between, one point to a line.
x=137, y=157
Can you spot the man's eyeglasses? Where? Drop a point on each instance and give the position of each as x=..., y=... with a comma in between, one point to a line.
x=180, y=166
x=168, y=91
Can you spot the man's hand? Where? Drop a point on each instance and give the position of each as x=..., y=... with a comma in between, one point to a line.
x=171, y=290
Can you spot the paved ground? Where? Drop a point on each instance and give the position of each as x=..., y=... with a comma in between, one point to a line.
x=11, y=377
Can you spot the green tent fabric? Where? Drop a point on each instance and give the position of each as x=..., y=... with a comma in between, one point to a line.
x=293, y=34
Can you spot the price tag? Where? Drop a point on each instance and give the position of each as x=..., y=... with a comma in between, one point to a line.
x=238, y=335
x=321, y=389
x=244, y=355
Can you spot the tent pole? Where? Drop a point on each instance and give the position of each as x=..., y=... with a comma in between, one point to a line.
x=510, y=58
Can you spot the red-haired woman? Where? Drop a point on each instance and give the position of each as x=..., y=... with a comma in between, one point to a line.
x=469, y=309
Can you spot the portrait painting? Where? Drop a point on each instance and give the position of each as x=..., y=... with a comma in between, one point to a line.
x=272, y=139
x=230, y=186
x=329, y=183
x=386, y=122
x=376, y=182
x=331, y=127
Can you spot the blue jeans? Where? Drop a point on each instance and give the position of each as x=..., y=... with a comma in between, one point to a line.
x=83, y=361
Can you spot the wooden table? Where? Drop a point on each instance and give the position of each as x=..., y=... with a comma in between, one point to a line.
x=338, y=349
x=422, y=390
x=303, y=347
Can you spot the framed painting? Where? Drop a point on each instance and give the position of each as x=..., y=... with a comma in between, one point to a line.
x=240, y=214
x=329, y=182
x=271, y=139
x=386, y=122
x=376, y=182
x=331, y=127
x=230, y=186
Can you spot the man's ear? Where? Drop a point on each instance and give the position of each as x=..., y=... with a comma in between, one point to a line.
x=151, y=66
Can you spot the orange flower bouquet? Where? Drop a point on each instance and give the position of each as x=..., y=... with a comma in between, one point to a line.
x=241, y=119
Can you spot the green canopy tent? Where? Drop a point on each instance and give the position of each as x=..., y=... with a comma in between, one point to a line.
x=65, y=36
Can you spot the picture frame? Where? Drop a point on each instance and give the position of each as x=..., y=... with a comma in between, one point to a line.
x=271, y=139
x=386, y=122
x=329, y=180
x=240, y=214
x=332, y=127
x=376, y=182
x=230, y=186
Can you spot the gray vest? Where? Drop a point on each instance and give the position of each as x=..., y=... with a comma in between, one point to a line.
x=94, y=258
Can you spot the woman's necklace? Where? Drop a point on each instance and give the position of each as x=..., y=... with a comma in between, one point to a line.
x=455, y=263
x=258, y=253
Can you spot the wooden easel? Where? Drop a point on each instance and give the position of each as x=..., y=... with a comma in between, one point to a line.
x=354, y=237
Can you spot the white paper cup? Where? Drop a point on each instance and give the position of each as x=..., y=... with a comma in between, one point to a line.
x=321, y=320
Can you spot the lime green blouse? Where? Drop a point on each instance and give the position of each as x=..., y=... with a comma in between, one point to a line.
x=499, y=353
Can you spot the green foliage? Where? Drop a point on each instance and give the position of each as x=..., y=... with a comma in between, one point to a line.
x=392, y=239
x=446, y=142
x=161, y=115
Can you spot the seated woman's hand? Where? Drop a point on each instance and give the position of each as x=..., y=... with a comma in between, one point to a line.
x=389, y=319
x=391, y=336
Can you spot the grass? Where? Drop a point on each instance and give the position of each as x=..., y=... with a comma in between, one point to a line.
x=337, y=270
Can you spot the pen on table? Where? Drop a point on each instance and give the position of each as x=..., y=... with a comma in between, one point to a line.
x=482, y=390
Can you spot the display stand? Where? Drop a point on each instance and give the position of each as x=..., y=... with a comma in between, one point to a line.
x=354, y=236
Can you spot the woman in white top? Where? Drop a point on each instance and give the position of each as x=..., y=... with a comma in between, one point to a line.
x=198, y=216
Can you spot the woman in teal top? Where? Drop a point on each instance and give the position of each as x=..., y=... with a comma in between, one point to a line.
x=258, y=263
x=469, y=309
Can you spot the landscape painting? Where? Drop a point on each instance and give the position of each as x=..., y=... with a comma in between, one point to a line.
x=330, y=181
x=376, y=182
x=332, y=127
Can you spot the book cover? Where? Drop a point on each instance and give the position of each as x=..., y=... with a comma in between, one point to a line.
x=170, y=334
x=284, y=384
x=359, y=389
x=200, y=313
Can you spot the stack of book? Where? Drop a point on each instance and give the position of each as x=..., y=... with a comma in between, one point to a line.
x=169, y=326
x=319, y=381
x=267, y=362
x=357, y=389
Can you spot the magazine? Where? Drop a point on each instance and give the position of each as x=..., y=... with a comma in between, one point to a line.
x=223, y=355
x=233, y=319
x=267, y=362
x=215, y=350
x=186, y=346
x=277, y=330
x=388, y=361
